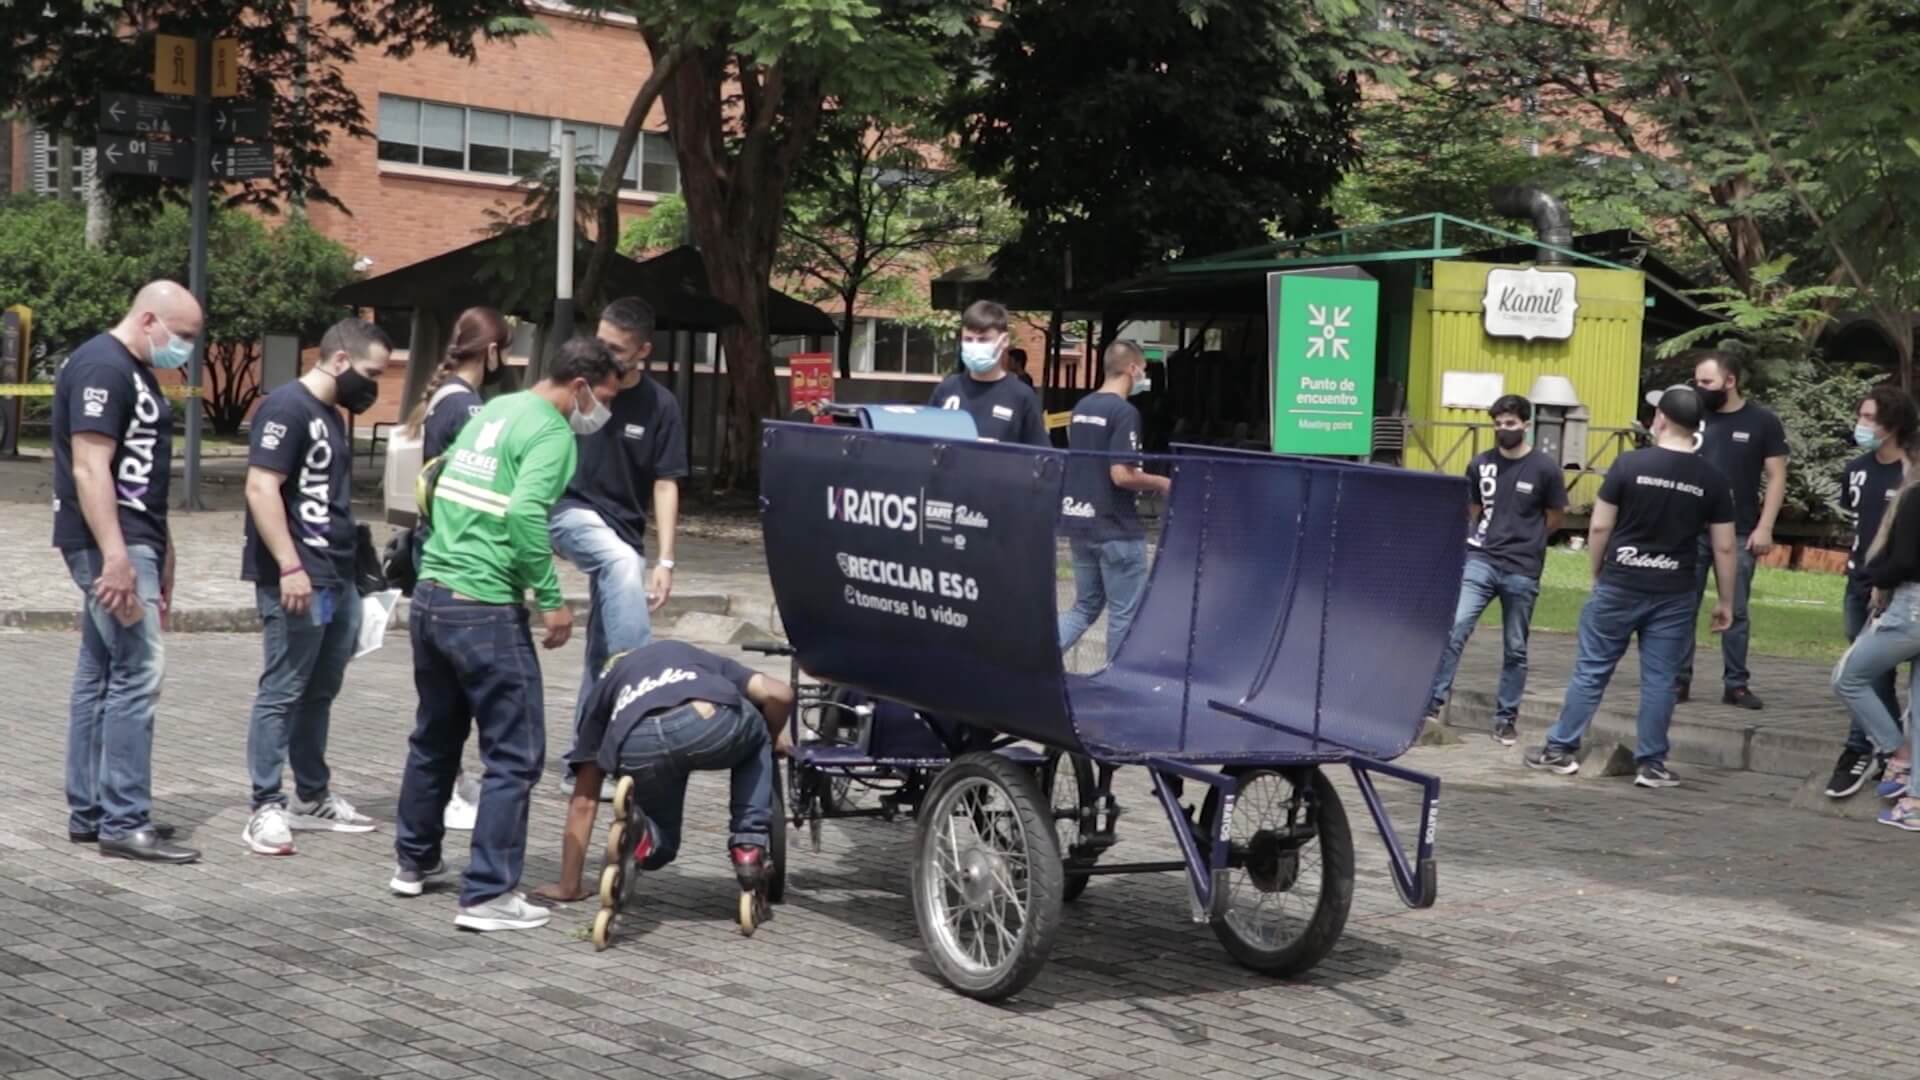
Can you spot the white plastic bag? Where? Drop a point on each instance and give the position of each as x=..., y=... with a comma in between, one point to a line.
x=376, y=611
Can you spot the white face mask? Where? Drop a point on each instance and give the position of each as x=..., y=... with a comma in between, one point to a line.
x=587, y=419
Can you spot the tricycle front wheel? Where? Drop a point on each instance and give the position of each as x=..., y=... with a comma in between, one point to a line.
x=1290, y=870
x=987, y=877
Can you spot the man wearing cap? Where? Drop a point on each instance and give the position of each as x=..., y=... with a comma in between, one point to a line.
x=1644, y=538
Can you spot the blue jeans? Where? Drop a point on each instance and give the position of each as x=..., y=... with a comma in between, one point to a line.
x=293, y=707
x=1110, y=574
x=1479, y=584
x=617, y=617
x=1891, y=640
x=663, y=751
x=1664, y=622
x=1855, y=602
x=1733, y=642
x=473, y=666
x=116, y=684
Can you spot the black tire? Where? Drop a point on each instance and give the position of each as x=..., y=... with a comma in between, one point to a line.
x=1260, y=866
x=777, y=843
x=1004, y=810
x=1068, y=831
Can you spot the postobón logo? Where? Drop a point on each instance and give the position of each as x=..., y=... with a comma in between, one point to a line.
x=877, y=509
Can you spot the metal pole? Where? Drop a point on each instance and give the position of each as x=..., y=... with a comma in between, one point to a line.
x=563, y=282
x=197, y=267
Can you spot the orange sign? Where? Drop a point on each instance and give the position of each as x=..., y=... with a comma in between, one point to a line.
x=810, y=380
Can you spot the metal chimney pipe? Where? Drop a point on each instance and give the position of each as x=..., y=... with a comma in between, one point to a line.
x=1552, y=222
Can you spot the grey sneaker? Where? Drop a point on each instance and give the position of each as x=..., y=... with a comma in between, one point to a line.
x=267, y=832
x=331, y=814
x=1553, y=759
x=414, y=882
x=1655, y=774
x=509, y=912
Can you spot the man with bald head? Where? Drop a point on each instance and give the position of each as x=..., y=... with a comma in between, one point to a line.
x=112, y=449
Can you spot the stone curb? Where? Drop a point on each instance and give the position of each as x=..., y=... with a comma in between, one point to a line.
x=243, y=620
x=1696, y=739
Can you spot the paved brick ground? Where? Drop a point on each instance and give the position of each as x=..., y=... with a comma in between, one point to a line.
x=1584, y=929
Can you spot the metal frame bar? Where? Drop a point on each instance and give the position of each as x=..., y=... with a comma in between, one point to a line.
x=1418, y=884
x=1206, y=874
x=1269, y=256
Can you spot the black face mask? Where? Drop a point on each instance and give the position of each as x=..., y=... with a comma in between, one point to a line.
x=491, y=376
x=355, y=392
x=1712, y=399
x=1508, y=438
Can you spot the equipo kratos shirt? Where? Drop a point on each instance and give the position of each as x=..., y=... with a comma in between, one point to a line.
x=1666, y=500
x=1093, y=508
x=301, y=437
x=103, y=390
x=647, y=680
x=1514, y=495
x=643, y=442
x=1003, y=410
x=1870, y=486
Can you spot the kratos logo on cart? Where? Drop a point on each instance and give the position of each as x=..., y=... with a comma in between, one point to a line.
x=880, y=509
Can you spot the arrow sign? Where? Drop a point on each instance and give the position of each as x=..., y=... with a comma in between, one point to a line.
x=145, y=114
x=146, y=157
x=243, y=161
x=246, y=121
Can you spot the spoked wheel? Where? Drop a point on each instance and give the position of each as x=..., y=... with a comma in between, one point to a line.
x=1073, y=800
x=777, y=844
x=1290, y=870
x=987, y=876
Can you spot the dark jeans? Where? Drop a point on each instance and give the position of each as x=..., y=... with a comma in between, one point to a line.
x=1733, y=643
x=1480, y=583
x=473, y=666
x=1613, y=615
x=663, y=751
x=293, y=707
x=116, y=684
x=1857, y=598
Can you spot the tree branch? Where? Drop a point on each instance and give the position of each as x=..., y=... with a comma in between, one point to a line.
x=607, y=198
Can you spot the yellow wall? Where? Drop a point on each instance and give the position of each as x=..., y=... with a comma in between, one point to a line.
x=1602, y=358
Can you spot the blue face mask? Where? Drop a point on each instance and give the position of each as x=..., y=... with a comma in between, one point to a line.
x=173, y=354
x=1140, y=386
x=980, y=356
x=1865, y=437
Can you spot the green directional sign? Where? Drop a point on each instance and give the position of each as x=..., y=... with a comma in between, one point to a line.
x=1322, y=351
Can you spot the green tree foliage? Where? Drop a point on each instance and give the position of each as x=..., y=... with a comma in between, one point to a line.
x=874, y=213
x=45, y=264
x=1422, y=152
x=58, y=56
x=1129, y=133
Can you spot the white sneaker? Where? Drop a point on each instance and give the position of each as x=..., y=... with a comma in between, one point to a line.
x=414, y=882
x=509, y=912
x=331, y=814
x=267, y=832
x=606, y=789
x=461, y=811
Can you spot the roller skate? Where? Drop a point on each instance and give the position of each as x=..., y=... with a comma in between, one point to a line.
x=753, y=870
x=629, y=842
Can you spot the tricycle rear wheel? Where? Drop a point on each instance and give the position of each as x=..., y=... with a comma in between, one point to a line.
x=1290, y=871
x=1073, y=801
x=777, y=842
x=987, y=876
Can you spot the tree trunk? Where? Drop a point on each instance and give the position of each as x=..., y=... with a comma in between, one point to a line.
x=606, y=229
x=846, y=339
x=97, y=216
x=6, y=155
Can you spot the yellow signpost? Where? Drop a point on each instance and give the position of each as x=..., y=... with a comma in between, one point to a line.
x=173, y=65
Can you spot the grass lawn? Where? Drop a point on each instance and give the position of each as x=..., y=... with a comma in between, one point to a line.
x=1794, y=614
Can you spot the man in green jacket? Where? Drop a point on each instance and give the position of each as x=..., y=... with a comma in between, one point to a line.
x=473, y=658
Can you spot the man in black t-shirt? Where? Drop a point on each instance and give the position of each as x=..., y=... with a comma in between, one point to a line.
x=1747, y=443
x=1644, y=538
x=657, y=714
x=112, y=448
x=299, y=553
x=1003, y=408
x=600, y=524
x=1097, y=513
x=1519, y=499
x=1886, y=426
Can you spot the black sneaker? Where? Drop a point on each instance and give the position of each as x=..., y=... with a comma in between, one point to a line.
x=1854, y=770
x=1655, y=774
x=1742, y=698
x=1682, y=693
x=1504, y=733
x=1553, y=759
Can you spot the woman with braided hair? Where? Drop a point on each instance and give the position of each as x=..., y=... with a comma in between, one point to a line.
x=475, y=357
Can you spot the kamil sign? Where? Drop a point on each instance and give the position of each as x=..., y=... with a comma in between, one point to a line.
x=1530, y=303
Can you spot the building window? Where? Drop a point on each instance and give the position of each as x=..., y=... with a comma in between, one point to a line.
x=46, y=164
x=414, y=132
x=910, y=350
